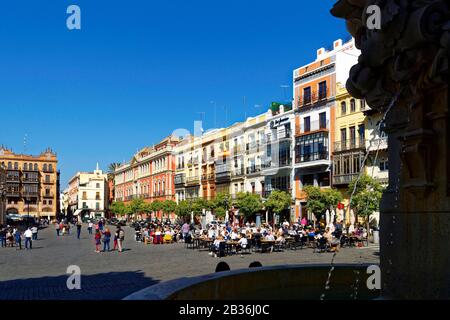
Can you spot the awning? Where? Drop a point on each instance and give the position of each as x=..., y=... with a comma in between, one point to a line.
x=76, y=213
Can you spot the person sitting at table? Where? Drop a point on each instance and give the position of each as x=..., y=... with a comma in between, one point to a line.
x=158, y=236
x=215, y=247
x=280, y=239
x=212, y=233
x=242, y=244
x=234, y=234
x=269, y=237
x=168, y=236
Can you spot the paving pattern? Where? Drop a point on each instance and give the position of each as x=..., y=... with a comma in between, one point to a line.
x=40, y=274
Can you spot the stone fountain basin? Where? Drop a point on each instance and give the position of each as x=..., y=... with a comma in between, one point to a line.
x=285, y=282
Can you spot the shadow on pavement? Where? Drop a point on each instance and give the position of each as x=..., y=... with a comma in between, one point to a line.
x=103, y=286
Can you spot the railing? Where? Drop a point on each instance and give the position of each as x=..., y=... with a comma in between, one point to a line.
x=350, y=144
x=49, y=195
x=380, y=143
x=314, y=126
x=159, y=193
x=180, y=179
x=238, y=172
x=253, y=169
x=311, y=157
x=51, y=181
x=30, y=180
x=12, y=193
x=48, y=170
x=314, y=97
x=12, y=178
x=193, y=180
x=344, y=178
x=30, y=194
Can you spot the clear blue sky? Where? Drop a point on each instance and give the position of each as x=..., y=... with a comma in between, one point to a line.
x=139, y=69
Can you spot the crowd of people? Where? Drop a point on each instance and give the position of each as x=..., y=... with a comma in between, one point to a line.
x=12, y=236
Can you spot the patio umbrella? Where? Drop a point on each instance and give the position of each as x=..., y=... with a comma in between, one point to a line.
x=333, y=216
x=327, y=216
x=192, y=217
x=227, y=216
x=352, y=221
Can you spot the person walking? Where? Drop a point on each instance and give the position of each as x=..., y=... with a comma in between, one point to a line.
x=34, y=230
x=57, y=228
x=28, y=239
x=98, y=238
x=90, y=226
x=79, y=225
x=100, y=225
x=120, y=238
x=18, y=239
x=106, y=240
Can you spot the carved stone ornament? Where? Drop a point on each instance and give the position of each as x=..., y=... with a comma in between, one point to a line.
x=409, y=51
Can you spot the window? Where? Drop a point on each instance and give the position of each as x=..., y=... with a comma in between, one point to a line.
x=307, y=124
x=84, y=205
x=361, y=132
x=352, y=136
x=84, y=195
x=363, y=105
x=25, y=166
x=50, y=202
x=97, y=196
x=307, y=95
x=97, y=206
x=98, y=185
x=16, y=166
x=384, y=165
x=323, y=120
x=47, y=178
x=36, y=167
x=343, y=108
x=322, y=90
x=352, y=105
x=45, y=167
x=44, y=202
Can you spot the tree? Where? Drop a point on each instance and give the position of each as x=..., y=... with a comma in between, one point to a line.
x=278, y=202
x=316, y=203
x=183, y=209
x=112, y=167
x=156, y=206
x=221, y=204
x=118, y=208
x=367, y=197
x=248, y=203
x=168, y=207
x=136, y=206
x=198, y=205
x=332, y=197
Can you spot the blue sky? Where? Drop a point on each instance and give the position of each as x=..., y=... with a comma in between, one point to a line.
x=139, y=69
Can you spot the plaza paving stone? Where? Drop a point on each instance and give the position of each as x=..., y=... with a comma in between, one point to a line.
x=41, y=273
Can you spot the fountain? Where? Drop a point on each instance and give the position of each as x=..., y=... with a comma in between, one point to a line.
x=408, y=56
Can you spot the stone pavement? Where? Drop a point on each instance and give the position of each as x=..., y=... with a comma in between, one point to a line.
x=40, y=274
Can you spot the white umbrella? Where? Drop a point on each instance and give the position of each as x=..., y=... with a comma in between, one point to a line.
x=333, y=216
x=227, y=216
x=352, y=222
x=327, y=216
x=192, y=217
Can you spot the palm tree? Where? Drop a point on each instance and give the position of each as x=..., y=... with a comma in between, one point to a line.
x=111, y=169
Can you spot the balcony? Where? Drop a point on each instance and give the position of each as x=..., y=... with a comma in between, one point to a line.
x=344, y=179
x=313, y=98
x=253, y=169
x=223, y=173
x=315, y=156
x=49, y=195
x=314, y=126
x=30, y=180
x=238, y=150
x=11, y=178
x=377, y=144
x=238, y=172
x=48, y=170
x=193, y=181
x=209, y=176
x=48, y=181
x=12, y=193
x=30, y=194
x=254, y=147
x=347, y=145
x=180, y=179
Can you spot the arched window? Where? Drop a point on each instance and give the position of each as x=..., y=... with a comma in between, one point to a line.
x=25, y=166
x=45, y=167
x=36, y=167
x=343, y=107
x=10, y=165
x=352, y=105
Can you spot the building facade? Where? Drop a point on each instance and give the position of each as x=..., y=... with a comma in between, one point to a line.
x=149, y=175
x=2, y=194
x=315, y=90
x=31, y=183
x=88, y=194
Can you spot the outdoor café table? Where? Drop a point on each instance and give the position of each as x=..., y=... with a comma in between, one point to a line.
x=205, y=243
x=289, y=241
x=265, y=244
x=230, y=245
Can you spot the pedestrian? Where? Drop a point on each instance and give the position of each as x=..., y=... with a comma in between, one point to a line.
x=100, y=225
x=28, y=239
x=79, y=225
x=34, y=230
x=98, y=238
x=116, y=237
x=120, y=238
x=106, y=240
x=18, y=239
x=68, y=229
x=90, y=225
x=57, y=228
x=3, y=236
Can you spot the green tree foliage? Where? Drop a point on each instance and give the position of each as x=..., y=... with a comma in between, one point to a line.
x=278, y=201
x=136, y=206
x=248, y=203
x=332, y=197
x=198, y=205
x=118, y=208
x=183, y=209
x=367, y=197
x=168, y=207
x=156, y=206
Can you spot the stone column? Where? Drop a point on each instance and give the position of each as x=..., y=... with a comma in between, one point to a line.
x=406, y=61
